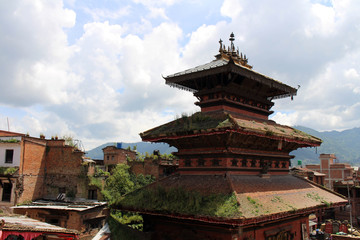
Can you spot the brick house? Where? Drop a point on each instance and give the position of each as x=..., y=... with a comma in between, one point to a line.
x=114, y=155
x=309, y=174
x=334, y=171
x=81, y=216
x=10, y=155
x=344, y=179
x=45, y=168
x=49, y=169
x=156, y=166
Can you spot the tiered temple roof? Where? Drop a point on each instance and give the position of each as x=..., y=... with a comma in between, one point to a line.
x=233, y=161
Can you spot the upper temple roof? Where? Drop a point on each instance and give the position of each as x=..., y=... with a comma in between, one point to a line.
x=185, y=79
x=229, y=62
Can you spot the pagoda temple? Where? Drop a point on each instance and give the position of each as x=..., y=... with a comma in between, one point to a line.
x=233, y=180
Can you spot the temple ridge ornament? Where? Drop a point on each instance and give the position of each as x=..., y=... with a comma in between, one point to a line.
x=232, y=54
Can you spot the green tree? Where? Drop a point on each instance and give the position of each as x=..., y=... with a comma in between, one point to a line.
x=122, y=181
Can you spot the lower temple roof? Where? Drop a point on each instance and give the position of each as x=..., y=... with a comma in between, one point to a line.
x=232, y=199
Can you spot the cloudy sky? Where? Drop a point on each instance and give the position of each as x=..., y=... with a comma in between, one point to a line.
x=93, y=69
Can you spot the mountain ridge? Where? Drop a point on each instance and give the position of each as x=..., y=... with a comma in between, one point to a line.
x=344, y=144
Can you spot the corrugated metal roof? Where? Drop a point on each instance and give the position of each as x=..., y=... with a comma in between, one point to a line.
x=214, y=64
x=29, y=224
x=207, y=66
x=61, y=206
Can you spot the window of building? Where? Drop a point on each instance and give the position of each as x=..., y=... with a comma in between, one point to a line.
x=107, y=157
x=187, y=163
x=216, y=162
x=234, y=162
x=253, y=163
x=62, y=190
x=277, y=164
x=112, y=158
x=6, y=196
x=244, y=163
x=53, y=221
x=9, y=154
x=201, y=162
x=92, y=194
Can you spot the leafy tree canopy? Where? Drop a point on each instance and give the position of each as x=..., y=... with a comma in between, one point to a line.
x=122, y=181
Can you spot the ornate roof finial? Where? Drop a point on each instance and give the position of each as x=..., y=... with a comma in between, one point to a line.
x=232, y=38
x=230, y=52
x=221, y=46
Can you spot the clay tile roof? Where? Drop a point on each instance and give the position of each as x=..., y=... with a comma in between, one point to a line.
x=230, y=198
x=277, y=194
x=200, y=123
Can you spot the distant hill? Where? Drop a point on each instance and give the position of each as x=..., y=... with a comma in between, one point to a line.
x=345, y=144
x=141, y=147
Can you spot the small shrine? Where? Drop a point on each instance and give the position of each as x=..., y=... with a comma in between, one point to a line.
x=233, y=180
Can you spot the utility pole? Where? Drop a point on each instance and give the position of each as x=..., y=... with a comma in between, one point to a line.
x=351, y=224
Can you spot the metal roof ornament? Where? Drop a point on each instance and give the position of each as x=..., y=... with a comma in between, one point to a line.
x=231, y=39
x=232, y=53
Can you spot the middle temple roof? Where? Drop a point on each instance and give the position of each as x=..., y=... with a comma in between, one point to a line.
x=202, y=124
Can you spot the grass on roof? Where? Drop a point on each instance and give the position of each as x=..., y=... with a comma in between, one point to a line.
x=197, y=121
x=180, y=201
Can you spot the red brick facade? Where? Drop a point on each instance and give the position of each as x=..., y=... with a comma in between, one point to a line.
x=158, y=168
x=114, y=156
x=46, y=168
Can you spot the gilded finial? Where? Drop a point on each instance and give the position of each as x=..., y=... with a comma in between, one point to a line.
x=232, y=38
x=230, y=52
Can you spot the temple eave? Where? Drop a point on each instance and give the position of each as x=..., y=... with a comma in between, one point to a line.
x=235, y=222
x=201, y=133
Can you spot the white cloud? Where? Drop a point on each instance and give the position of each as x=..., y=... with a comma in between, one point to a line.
x=152, y=3
x=99, y=14
x=107, y=86
x=289, y=119
x=322, y=21
x=157, y=12
x=33, y=63
x=231, y=8
x=351, y=73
